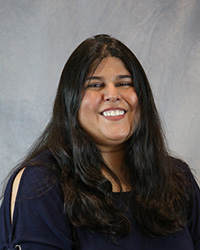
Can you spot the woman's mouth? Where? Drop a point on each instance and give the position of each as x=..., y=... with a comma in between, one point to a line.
x=113, y=112
x=117, y=112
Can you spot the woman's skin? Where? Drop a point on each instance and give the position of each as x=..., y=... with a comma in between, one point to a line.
x=108, y=113
x=15, y=187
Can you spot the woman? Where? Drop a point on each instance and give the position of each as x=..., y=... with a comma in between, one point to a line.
x=100, y=176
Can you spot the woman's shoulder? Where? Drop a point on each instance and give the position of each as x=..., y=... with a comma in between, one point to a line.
x=38, y=201
x=33, y=180
x=38, y=176
x=188, y=177
x=34, y=177
x=182, y=167
x=179, y=163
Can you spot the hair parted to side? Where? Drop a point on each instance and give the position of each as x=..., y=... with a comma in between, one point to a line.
x=158, y=195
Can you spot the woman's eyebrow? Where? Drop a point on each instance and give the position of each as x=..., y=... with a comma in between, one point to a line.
x=124, y=76
x=93, y=78
x=100, y=78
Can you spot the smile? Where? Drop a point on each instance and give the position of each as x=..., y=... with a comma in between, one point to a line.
x=113, y=113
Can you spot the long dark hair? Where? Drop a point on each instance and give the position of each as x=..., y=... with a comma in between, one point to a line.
x=157, y=197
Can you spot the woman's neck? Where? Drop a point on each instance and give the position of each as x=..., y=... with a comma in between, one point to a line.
x=114, y=159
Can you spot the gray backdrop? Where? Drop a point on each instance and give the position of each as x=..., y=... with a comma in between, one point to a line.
x=37, y=36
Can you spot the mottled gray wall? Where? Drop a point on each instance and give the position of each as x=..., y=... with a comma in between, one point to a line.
x=37, y=36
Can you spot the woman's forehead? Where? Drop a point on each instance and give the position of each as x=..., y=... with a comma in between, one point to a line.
x=98, y=62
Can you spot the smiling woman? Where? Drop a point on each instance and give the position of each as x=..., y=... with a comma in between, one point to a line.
x=108, y=108
x=100, y=177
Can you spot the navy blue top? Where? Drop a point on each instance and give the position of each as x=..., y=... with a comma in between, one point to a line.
x=39, y=222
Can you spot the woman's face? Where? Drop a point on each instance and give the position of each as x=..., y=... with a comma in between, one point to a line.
x=108, y=111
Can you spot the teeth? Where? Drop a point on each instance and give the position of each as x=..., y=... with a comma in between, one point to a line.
x=113, y=113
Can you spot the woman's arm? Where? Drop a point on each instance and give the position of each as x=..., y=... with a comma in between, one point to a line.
x=32, y=213
x=194, y=219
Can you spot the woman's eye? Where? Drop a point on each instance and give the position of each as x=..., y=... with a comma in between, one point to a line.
x=96, y=85
x=124, y=84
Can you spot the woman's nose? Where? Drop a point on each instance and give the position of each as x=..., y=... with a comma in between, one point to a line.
x=111, y=93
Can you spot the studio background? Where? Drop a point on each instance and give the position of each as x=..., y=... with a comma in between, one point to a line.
x=37, y=37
